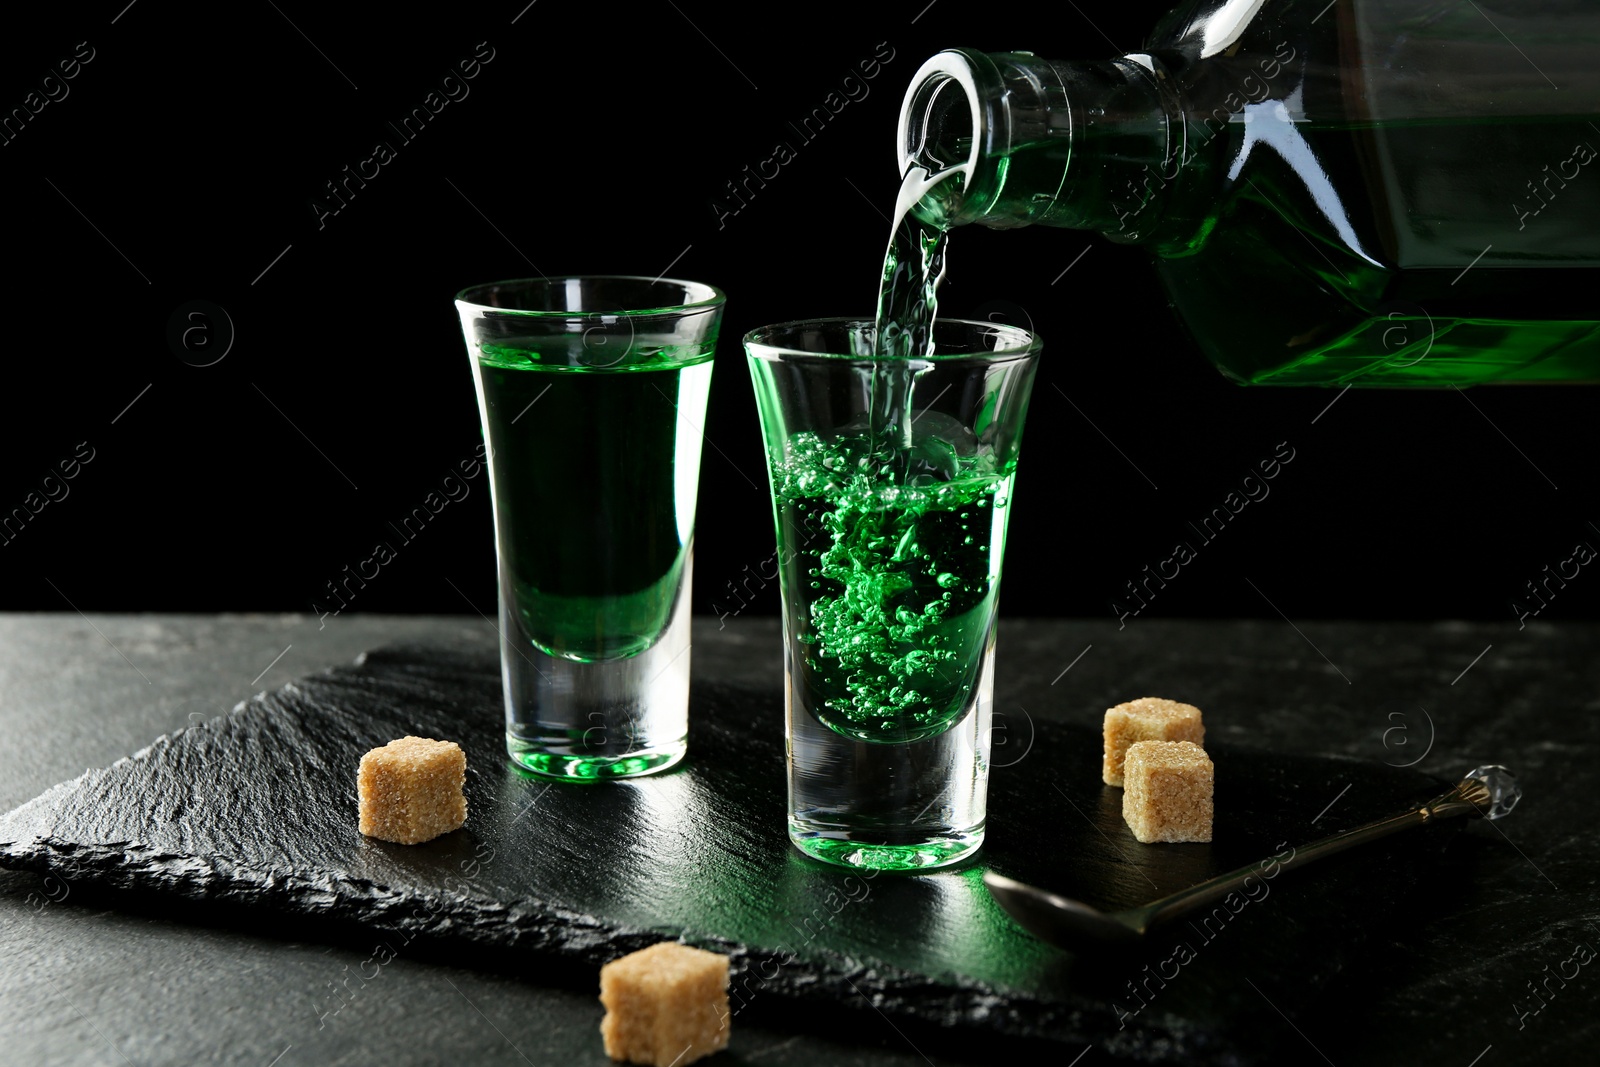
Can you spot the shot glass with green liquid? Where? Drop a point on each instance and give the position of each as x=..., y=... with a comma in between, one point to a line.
x=593, y=396
x=891, y=485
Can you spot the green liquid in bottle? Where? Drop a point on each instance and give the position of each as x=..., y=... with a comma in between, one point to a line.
x=1375, y=193
x=1418, y=263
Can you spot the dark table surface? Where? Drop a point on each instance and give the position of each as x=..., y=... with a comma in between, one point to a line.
x=87, y=979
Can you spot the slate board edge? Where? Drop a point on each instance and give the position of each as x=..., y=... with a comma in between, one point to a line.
x=853, y=983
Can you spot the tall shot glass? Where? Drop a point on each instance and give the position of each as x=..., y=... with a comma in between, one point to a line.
x=891, y=485
x=593, y=397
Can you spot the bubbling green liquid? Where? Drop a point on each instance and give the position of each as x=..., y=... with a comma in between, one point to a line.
x=894, y=533
x=895, y=554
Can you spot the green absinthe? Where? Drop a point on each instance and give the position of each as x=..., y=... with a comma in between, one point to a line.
x=894, y=555
x=1415, y=269
x=892, y=533
x=1371, y=193
x=593, y=471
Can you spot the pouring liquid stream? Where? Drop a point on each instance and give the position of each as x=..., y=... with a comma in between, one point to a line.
x=909, y=511
x=908, y=302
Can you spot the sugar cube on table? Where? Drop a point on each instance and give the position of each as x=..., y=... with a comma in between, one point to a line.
x=665, y=1005
x=1167, y=791
x=1146, y=719
x=410, y=790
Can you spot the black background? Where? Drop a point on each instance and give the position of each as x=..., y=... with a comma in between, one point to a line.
x=183, y=165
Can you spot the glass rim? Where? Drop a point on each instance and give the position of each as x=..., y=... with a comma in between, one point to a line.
x=705, y=295
x=1029, y=341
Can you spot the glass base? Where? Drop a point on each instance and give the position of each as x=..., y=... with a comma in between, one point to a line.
x=574, y=721
x=866, y=855
x=568, y=768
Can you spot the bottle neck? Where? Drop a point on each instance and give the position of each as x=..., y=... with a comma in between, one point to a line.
x=1083, y=145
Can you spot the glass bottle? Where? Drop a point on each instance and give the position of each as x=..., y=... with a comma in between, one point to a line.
x=1368, y=192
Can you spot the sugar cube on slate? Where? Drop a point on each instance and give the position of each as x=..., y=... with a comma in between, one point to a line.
x=411, y=790
x=665, y=1005
x=1166, y=793
x=1147, y=719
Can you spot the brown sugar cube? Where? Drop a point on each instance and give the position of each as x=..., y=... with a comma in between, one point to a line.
x=1167, y=792
x=666, y=1005
x=410, y=790
x=1147, y=719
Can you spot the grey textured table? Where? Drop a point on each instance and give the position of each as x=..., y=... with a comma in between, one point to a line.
x=87, y=980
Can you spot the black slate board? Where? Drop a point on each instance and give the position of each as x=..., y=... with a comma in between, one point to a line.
x=257, y=809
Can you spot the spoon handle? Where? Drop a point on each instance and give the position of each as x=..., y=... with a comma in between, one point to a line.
x=1486, y=792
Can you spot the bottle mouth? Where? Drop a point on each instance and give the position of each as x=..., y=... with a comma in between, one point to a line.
x=997, y=136
x=942, y=127
x=940, y=115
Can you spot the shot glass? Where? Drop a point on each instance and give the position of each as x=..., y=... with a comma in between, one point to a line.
x=593, y=397
x=891, y=486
